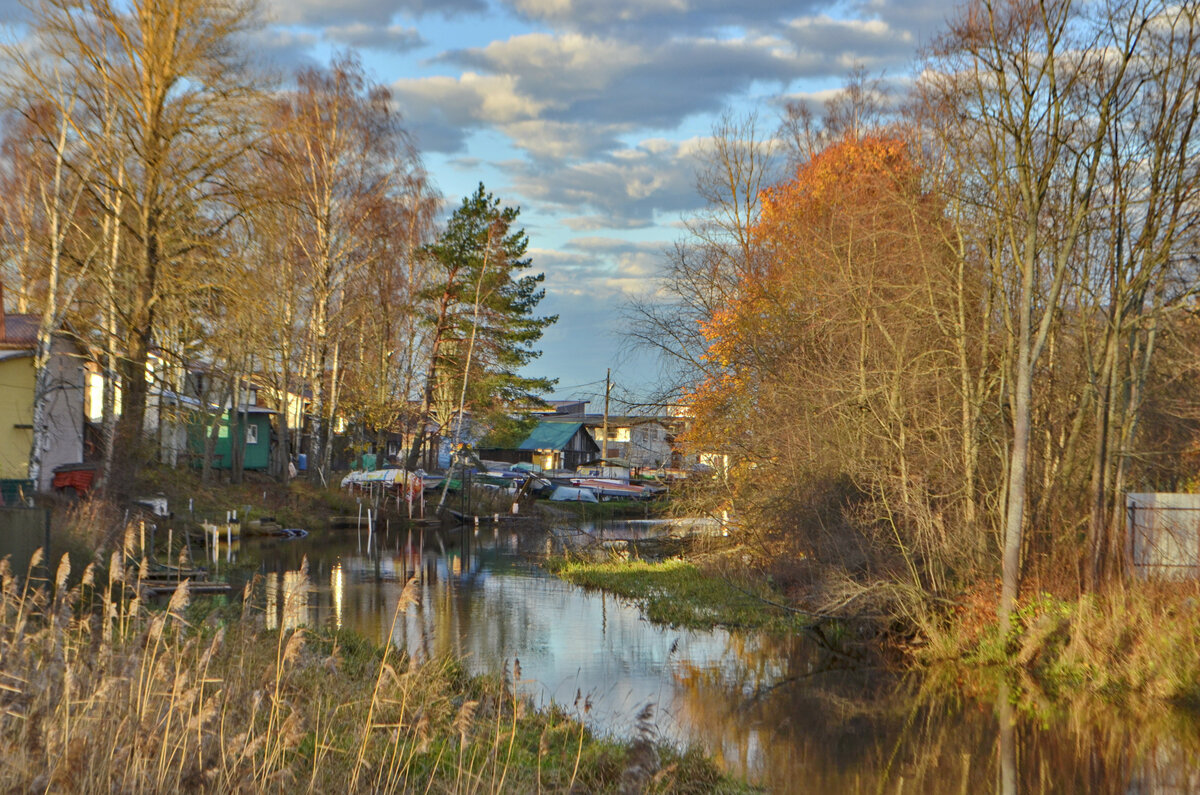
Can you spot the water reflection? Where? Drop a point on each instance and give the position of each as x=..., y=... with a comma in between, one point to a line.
x=783, y=712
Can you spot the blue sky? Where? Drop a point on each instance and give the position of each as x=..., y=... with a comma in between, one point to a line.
x=587, y=114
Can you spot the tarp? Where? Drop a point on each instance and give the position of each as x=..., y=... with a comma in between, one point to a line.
x=388, y=477
x=572, y=494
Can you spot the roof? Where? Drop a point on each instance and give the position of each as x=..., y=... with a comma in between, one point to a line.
x=550, y=436
x=614, y=420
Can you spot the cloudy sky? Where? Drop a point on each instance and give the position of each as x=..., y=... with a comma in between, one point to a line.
x=588, y=113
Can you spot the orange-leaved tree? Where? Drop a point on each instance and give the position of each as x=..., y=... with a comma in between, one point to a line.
x=834, y=375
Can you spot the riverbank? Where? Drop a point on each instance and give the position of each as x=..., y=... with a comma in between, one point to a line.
x=101, y=694
x=1139, y=640
x=1130, y=640
x=679, y=594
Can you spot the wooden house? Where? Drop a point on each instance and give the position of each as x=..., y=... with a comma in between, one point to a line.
x=63, y=402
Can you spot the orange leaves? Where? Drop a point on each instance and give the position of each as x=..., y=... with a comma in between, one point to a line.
x=837, y=245
x=841, y=171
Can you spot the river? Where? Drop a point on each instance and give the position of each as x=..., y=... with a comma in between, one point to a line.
x=780, y=712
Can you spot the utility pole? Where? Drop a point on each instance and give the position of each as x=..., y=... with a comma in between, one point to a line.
x=604, y=433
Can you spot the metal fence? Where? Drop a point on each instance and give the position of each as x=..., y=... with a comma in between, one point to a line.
x=1163, y=535
x=22, y=531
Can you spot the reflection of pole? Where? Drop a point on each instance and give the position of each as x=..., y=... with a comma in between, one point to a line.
x=1008, y=743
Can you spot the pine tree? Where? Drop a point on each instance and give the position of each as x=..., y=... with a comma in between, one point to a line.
x=481, y=310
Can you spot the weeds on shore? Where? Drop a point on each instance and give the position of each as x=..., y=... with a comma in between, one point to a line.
x=677, y=593
x=1130, y=639
x=99, y=693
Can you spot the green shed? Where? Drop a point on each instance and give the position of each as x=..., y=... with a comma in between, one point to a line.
x=255, y=433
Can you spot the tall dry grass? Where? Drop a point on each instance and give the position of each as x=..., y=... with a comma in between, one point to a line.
x=100, y=692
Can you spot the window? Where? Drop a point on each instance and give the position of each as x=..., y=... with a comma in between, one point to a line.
x=251, y=434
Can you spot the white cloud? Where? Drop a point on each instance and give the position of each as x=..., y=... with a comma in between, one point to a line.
x=623, y=191
x=470, y=99
x=650, y=20
x=604, y=268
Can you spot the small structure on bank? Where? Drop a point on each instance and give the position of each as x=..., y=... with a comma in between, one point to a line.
x=63, y=403
x=550, y=446
x=1163, y=535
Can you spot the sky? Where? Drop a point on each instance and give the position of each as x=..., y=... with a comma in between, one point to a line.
x=588, y=115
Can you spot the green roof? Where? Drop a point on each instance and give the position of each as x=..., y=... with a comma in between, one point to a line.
x=551, y=436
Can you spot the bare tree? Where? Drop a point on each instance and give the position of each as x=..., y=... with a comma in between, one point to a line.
x=1035, y=87
x=162, y=96
x=703, y=269
x=339, y=153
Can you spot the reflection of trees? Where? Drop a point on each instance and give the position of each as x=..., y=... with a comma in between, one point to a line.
x=781, y=710
x=829, y=730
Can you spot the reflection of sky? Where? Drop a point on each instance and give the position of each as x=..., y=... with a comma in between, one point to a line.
x=833, y=732
x=487, y=607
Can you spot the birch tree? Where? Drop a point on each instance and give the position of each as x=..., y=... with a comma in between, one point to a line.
x=339, y=154
x=162, y=103
x=1036, y=87
x=45, y=222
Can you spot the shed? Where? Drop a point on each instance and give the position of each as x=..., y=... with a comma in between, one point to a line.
x=1163, y=535
x=560, y=445
x=256, y=432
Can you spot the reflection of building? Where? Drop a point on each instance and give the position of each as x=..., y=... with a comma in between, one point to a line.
x=287, y=600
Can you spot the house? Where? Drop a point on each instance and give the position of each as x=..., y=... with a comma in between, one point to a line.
x=560, y=445
x=638, y=442
x=63, y=403
x=183, y=403
x=551, y=445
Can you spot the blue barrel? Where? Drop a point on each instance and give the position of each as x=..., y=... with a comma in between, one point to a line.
x=302, y=462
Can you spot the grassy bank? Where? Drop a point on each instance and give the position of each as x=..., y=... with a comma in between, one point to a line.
x=1130, y=640
x=609, y=509
x=98, y=693
x=678, y=593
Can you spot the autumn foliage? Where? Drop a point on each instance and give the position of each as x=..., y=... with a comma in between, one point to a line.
x=831, y=373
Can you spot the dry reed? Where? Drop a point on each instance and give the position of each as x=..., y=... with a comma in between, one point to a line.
x=100, y=692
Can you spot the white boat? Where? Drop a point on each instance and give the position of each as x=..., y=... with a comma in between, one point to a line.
x=573, y=494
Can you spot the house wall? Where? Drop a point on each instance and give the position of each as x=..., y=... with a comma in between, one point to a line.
x=648, y=446
x=642, y=445
x=16, y=410
x=258, y=452
x=64, y=411
x=64, y=415
x=580, y=450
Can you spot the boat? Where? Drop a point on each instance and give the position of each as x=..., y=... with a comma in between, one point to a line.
x=611, y=489
x=573, y=494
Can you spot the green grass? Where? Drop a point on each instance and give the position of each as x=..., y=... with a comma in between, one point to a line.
x=679, y=594
x=612, y=509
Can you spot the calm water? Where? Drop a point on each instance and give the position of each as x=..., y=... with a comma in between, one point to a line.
x=781, y=712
